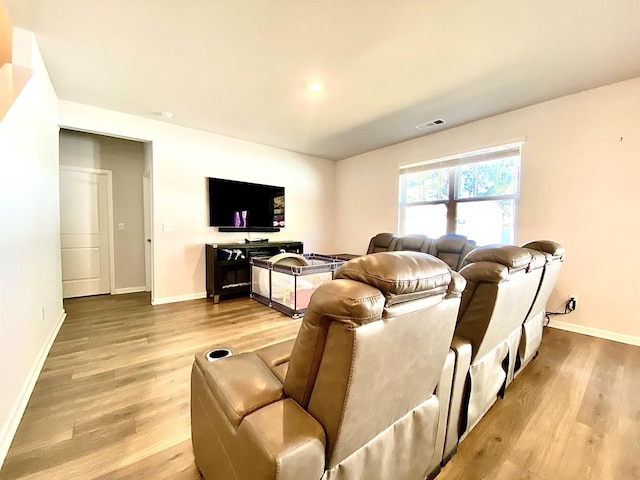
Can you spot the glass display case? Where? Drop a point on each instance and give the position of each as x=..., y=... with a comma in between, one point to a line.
x=286, y=281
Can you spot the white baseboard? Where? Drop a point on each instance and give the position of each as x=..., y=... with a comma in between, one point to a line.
x=179, y=298
x=120, y=291
x=595, y=332
x=9, y=429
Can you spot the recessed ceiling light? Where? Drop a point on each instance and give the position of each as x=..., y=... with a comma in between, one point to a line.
x=315, y=87
x=167, y=115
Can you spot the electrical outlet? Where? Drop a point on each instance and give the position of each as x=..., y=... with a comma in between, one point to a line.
x=572, y=303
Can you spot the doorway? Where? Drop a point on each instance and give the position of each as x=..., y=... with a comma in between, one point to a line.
x=126, y=162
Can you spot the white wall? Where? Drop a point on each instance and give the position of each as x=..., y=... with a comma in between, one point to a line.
x=126, y=160
x=580, y=171
x=182, y=159
x=30, y=280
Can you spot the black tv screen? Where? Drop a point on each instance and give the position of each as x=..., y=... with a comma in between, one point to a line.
x=244, y=206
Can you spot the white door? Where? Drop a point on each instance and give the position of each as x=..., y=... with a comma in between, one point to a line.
x=84, y=232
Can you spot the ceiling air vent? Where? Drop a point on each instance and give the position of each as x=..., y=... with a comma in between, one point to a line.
x=431, y=124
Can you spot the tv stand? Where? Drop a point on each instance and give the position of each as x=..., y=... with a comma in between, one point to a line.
x=228, y=267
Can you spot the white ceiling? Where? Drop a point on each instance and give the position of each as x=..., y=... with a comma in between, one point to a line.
x=239, y=67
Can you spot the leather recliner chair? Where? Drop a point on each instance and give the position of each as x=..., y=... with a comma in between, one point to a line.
x=501, y=284
x=534, y=323
x=414, y=242
x=382, y=242
x=364, y=393
x=452, y=249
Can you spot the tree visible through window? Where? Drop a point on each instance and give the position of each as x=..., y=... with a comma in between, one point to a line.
x=474, y=194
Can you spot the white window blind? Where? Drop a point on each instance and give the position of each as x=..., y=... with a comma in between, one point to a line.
x=485, y=155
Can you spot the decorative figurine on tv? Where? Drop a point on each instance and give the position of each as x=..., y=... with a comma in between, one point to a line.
x=240, y=218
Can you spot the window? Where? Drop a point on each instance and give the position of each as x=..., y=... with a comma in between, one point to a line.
x=474, y=194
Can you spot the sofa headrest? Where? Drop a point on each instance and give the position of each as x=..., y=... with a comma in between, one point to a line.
x=556, y=250
x=402, y=276
x=512, y=257
x=451, y=243
x=353, y=303
x=383, y=239
x=414, y=242
x=485, y=272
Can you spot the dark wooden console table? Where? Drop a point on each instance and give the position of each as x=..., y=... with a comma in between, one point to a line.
x=229, y=268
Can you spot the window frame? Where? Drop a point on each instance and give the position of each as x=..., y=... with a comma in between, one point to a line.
x=451, y=164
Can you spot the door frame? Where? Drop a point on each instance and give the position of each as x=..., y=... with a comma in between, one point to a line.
x=109, y=175
x=148, y=233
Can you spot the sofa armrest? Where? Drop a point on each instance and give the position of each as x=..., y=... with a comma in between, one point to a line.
x=240, y=384
x=276, y=357
x=238, y=432
x=282, y=442
x=463, y=350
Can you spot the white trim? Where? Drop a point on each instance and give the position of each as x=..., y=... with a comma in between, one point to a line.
x=178, y=298
x=101, y=132
x=112, y=251
x=9, y=429
x=120, y=291
x=595, y=332
x=152, y=219
x=71, y=168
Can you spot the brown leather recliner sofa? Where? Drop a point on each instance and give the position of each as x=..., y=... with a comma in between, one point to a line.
x=370, y=390
x=534, y=323
x=450, y=248
x=381, y=242
x=363, y=394
x=413, y=243
x=499, y=326
x=499, y=292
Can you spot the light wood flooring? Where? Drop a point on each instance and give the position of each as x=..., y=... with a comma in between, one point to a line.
x=112, y=401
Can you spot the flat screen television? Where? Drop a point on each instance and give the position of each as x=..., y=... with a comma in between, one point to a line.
x=245, y=207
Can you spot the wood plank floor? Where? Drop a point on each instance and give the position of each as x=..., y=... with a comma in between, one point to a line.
x=112, y=401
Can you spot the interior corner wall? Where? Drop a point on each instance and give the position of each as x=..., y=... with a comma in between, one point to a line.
x=182, y=160
x=126, y=160
x=31, y=310
x=579, y=183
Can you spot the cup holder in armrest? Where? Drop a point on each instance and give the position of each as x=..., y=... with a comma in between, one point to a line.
x=217, y=354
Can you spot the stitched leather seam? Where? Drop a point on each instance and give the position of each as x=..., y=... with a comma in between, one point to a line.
x=261, y=405
x=346, y=397
x=321, y=337
x=314, y=364
x=390, y=283
x=356, y=301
